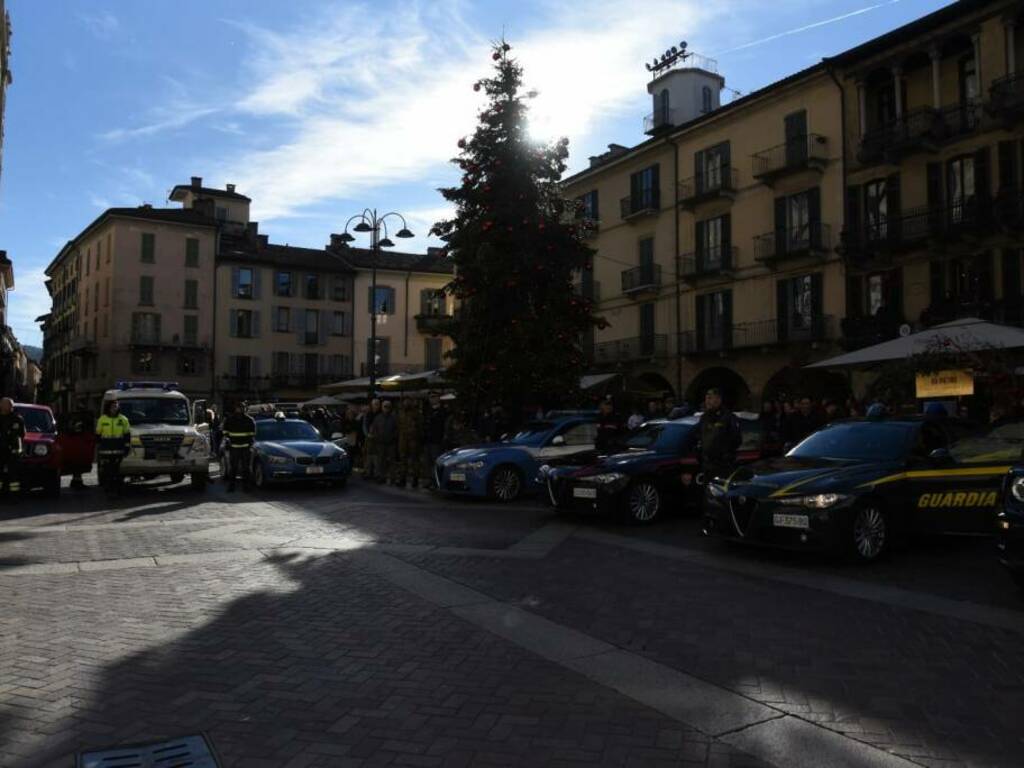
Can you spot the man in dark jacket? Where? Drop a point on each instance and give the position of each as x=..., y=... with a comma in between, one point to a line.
x=240, y=429
x=609, y=427
x=719, y=435
x=12, y=433
x=369, y=451
x=384, y=436
x=801, y=423
x=433, y=436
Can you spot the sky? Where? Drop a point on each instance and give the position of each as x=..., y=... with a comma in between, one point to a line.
x=317, y=109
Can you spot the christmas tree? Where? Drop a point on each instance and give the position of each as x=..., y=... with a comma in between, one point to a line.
x=516, y=245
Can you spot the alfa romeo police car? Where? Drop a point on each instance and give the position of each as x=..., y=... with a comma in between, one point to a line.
x=857, y=485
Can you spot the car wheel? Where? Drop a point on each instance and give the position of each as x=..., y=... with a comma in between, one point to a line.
x=869, y=533
x=259, y=477
x=643, y=502
x=506, y=483
x=177, y=478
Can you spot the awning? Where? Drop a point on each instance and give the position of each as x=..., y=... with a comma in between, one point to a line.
x=322, y=400
x=968, y=335
x=422, y=379
x=590, y=381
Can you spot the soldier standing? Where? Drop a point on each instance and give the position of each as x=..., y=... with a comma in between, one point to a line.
x=410, y=438
x=384, y=441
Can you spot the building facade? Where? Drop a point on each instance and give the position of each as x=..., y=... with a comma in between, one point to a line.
x=197, y=295
x=715, y=261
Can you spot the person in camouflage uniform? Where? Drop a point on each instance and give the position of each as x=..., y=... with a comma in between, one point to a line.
x=410, y=440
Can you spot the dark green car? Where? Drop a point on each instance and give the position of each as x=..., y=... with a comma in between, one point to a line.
x=856, y=486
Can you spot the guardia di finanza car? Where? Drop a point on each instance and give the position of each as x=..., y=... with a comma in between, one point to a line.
x=857, y=485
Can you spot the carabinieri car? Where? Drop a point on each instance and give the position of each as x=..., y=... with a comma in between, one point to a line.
x=652, y=467
x=1010, y=521
x=509, y=469
x=857, y=485
x=291, y=450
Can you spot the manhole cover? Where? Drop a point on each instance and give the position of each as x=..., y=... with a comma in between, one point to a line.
x=186, y=752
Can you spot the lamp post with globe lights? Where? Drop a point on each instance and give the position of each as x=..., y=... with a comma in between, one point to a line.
x=376, y=225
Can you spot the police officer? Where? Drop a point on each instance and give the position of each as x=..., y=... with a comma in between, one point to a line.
x=113, y=441
x=12, y=433
x=609, y=427
x=433, y=437
x=240, y=429
x=410, y=438
x=720, y=437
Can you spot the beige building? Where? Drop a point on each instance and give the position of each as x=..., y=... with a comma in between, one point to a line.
x=715, y=238
x=197, y=295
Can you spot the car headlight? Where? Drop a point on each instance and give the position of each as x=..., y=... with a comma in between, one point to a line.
x=1017, y=488
x=544, y=470
x=277, y=459
x=818, y=501
x=474, y=465
x=715, y=490
x=40, y=449
x=607, y=478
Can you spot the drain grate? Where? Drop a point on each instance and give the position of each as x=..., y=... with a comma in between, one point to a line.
x=186, y=752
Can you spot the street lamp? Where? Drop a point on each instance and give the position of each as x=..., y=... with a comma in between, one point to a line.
x=369, y=221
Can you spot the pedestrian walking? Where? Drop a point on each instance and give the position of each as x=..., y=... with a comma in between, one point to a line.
x=12, y=433
x=240, y=429
x=410, y=441
x=384, y=440
x=113, y=442
x=609, y=427
x=369, y=460
x=433, y=436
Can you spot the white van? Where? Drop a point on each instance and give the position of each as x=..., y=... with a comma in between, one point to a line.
x=168, y=436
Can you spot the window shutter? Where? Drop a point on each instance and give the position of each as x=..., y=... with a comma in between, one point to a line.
x=935, y=196
x=234, y=281
x=698, y=234
x=937, y=282
x=391, y=301
x=817, y=301
x=725, y=151
x=1007, y=165
x=814, y=217
x=780, y=226
x=982, y=177
x=425, y=296
x=323, y=327
x=853, y=202
x=256, y=280
x=782, y=309
x=233, y=365
x=594, y=206
x=254, y=365
x=983, y=269
x=894, y=292
x=256, y=324
x=699, y=302
x=300, y=325
x=656, y=185
x=893, y=203
x=232, y=322
x=726, y=255
x=854, y=296
x=727, y=319
x=369, y=300
x=698, y=172
x=321, y=287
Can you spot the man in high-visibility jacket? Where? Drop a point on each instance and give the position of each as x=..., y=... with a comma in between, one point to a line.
x=240, y=430
x=113, y=442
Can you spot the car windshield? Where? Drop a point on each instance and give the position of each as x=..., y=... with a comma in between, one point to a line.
x=1000, y=444
x=155, y=410
x=276, y=431
x=857, y=441
x=533, y=434
x=36, y=420
x=658, y=437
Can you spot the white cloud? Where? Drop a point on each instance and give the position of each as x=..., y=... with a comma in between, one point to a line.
x=28, y=300
x=383, y=101
x=167, y=118
x=103, y=25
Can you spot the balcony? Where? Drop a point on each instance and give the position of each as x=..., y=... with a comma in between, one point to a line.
x=957, y=120
x=760, y=333
x=595, y=291
x=647, y=203
x=804, y=153
x=661, y=120
x=631, y=350
x=718, y=260
x=1006, y=98
x=891, y=233
x=82, y=345
x=710, y=185
x=813, y=239
x=917, y=131
x=434, y=325
x=145, y=339
x=643, y=279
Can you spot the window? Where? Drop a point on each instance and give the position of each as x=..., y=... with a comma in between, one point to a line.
x=432, y=303
x=145, y=328
x=714, y=318
x=188, y=364
x=110, y=244
x=282, y=319
x=88, y=261
x=242, y=367
x=222, y=214
x=191, y=294
x=106, y=325
x=799, y=302
x=283, y=284
x=144, y=361
x=589, y=209
x=340, y=290
x=706, y=104
x=340, y=365
x=433, y=351
x=148, y=247
x=798, y=221
x=191, y=252
x=339, y=324
x=106, y=292
x=876, y=208
x=644, y=189
x=280, y=364
x=146, y=291
x=968, y=80
x=99, y=251
x=96, y=297
x=312, y=286
x=245, y=282
x=647, y=328
x=191, y=330
x=711, y=166
x=312, y=326
x=960, y=186
x=383, y=302
x=713, y=237
x=243, y=325
x=876, y=294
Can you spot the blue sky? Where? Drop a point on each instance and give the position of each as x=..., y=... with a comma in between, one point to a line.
x=318, y=108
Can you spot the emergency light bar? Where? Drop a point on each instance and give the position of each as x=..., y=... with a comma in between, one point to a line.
x=166, y=386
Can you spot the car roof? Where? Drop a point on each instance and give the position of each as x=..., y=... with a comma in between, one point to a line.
x=34, y=407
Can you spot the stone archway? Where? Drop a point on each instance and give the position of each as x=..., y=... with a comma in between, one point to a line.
x=815, y=383
x=650, y=384
x=735, y=391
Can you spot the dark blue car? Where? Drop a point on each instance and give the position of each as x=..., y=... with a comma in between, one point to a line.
x=291, y=450
x=509, y=469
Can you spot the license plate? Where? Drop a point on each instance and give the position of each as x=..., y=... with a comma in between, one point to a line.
x=457, y=477
x=584, y=493
x=791, y=521
x=314, y=470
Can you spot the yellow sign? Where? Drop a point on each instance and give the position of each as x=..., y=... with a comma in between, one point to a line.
x=945, y=384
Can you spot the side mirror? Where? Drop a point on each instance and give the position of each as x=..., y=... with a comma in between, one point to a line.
x=558, y=440
x=337, y=436
x=940, y=456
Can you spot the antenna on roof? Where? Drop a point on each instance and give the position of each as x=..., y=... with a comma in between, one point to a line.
x=668, y=58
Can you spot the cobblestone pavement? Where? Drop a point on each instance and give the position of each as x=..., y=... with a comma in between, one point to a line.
x=269, y=623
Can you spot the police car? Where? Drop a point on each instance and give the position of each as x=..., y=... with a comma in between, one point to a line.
x=291, y=450
x=856, y=486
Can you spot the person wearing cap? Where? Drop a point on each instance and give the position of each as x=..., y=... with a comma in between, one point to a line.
x=113, y=441
x=384, y=438
x=240, y=429
x=718, y=437
x=609, y=427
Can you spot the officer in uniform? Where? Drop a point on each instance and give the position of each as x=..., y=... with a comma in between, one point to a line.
x=12, y=432
x=719, y=435
x=240, y=429
x=113, y=441
x=410, y=438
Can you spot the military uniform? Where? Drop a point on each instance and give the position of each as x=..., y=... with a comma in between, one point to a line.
x=410, y=438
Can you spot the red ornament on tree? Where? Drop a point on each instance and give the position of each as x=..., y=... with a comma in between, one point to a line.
x=496, y=56
x=462, y=143
x=476, y=86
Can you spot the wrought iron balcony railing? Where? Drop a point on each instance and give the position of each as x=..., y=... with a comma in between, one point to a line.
x=1006, y=97
x=713, y=184
x=646, y=277
x=797, y=154
x=645, y=203
x=710, y=261
x=630, y=350
x=811, y=239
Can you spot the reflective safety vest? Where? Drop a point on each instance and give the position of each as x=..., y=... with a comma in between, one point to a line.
x=240, y=430
x=113, y=427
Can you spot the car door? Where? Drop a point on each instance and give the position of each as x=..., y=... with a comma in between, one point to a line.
x=569, y=440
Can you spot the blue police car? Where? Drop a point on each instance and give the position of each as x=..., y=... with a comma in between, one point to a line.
x=292, y=450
